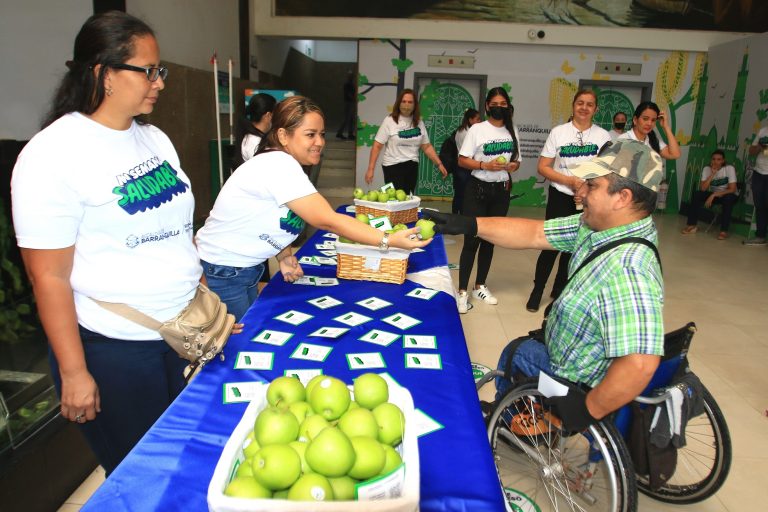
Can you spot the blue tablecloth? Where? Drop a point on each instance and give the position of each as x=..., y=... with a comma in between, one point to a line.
x=171, y=467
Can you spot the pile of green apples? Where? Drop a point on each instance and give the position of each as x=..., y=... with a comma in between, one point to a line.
x=316, y=443
x=378, y=196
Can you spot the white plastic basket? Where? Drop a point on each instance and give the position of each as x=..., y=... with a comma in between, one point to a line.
x=232, y=455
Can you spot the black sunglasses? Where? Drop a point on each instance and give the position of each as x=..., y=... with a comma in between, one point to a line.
x=152, y=73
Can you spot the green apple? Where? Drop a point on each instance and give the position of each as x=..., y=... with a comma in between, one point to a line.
x=427, y=228
x=275, y=426
x=246, y=487
x=392, y=459
x=370, y=390
x=343, y=488
x=353, y=405
x=301, y=449
x=330, y=398
x=359, y=422
x=400, y=195
x=383, y=197
x=362, y=217
x=245, y=468
x=330, y=453
x=312, y=426
x=392, y=193
x=250, y=446
x=280, y=495
x=391, y=421
x=502, y=159
x=302, y=410
x=358, y=193
x=373, y=196
x=311, y=487
x=369, y=457
x=276, y=466
x=313, y=381
x=399, y=227
x=283, y=391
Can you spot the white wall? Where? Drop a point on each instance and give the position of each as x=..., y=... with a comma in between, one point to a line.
x=271, y=53
x=336, y=51
x=36, y=38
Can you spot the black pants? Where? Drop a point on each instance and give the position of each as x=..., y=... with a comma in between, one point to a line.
x=697, y=203
x=558, y=205
x=460, y=179
x=403, y=175
x=481, y=199
x=349, y=120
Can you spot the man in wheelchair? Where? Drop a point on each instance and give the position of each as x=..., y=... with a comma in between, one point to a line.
x=605, y=332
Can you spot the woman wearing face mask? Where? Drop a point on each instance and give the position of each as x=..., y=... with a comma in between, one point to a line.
x=264, y=205
x=578, y=139
x=619, y=124
x=253, y=127
x=401, y=134
x=643, y=123
x=491, y=151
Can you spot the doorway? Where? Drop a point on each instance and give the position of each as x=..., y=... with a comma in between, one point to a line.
x=615, y=96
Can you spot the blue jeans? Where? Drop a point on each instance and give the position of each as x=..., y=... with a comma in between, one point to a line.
x=760, y=199
x=530, y=358
x=137, y=381
x=237, y=287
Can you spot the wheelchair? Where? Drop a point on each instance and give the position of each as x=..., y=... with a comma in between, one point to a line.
x=541, y=463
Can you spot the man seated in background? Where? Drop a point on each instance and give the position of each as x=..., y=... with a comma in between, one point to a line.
x=606, y=330
x=717, y=186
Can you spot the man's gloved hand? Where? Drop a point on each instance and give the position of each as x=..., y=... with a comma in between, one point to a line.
x=572, y=408
x=450, y=224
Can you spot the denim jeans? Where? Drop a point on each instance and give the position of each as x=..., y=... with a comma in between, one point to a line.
x=237, y=287
x=137, y=381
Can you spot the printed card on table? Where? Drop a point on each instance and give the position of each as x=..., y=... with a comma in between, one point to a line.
x=422, y=293
x=423, y=361
x=326, y=246
x=293, y=317
x=373, y=303
x=311, y=352
x=385, y=187
x=325, y=302
x=272, y=337
x=350, y=209
x=352, y=319
x=418, y=249
x=381, y=223
x=328, y=253
x=333, y=236
x=325, y=260
x=237, y=392
x=425, y=424
x=326, y=281
x=416, y=341
x=309, y=260
x=378, y=337
x=304, y=375
x=329, y=332
x=401, y=321
x=306, y=280
x=254, y=361
x=365, y=360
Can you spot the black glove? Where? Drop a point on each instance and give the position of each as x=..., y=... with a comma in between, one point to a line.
x=450, y=224
x=572, y=408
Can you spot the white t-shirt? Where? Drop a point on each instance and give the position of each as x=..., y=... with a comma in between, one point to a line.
x=121, y=198
x=567, y=147
x=249, y=146
x=250, y=221
x=460, y=136
x=401, y=140
x=761, y=162
x=485, y=142
x=614, y=134
x=631, y=135
x=725, y=175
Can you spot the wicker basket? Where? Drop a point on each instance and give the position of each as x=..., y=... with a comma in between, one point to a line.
x=399, y=212
x=368, y=263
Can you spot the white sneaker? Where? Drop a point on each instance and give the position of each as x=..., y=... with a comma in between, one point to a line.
x=462, y=302
x=484, y=294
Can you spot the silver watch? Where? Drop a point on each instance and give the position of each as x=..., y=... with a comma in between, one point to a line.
x=384, y=244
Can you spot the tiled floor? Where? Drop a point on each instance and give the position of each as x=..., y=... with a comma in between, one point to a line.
x=721, y=285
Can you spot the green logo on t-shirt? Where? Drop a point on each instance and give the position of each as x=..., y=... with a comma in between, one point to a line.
x=498, y=147
x=292, y=223
x=150, y=189
x=409, y=133
x=572, y=150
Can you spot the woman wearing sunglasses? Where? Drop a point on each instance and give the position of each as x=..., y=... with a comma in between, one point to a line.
x=103, y=210
x=578, y=139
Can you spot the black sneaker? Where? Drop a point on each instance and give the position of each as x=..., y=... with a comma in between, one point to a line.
x=534, y=301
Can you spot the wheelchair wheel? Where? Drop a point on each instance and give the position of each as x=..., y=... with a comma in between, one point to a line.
x=542, y=467
x=702, y=464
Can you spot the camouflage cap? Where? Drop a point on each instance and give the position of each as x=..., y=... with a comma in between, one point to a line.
x=628, y=158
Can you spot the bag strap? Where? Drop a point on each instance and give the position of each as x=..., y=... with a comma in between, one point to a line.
x=621, y=241
x=132, y=314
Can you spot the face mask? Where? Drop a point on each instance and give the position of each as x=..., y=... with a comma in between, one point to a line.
x=406, y=110
x=619, y=126
x=499, y=113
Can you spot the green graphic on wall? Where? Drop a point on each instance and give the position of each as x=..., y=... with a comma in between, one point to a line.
x=610, y=102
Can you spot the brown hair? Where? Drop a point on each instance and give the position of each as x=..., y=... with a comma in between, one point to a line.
x=582, y=92
x=416, y=111
x=288, y=114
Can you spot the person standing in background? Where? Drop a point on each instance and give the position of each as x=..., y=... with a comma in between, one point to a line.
x=460, y=174
x=401, y=135
x=619, y=125
x=759, y=149
x=350, y=102
x=253, y=126
x=567, y=144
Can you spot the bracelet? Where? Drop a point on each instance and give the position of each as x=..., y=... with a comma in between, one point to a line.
x=384, y=243
x=481, y=165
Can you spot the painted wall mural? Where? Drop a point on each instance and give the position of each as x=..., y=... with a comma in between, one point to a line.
x=724, y=15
